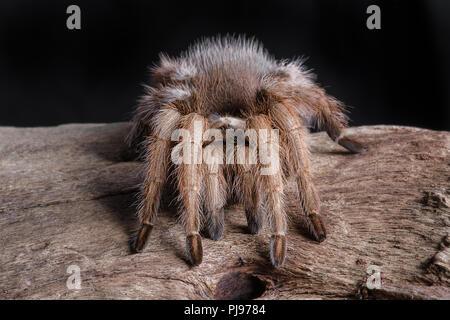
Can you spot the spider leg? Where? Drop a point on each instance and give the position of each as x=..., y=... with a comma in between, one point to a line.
x=214, y=190
x=244, y=183
x=286, y=120
x=253, y=203
x=190, y=175
x=249, y=193
x=157, y=159
x=329, y=114
x=269, y=186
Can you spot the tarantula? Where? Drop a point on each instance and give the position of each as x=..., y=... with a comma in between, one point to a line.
x=230, y=83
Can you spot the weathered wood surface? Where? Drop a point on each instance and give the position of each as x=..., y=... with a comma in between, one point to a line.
x=66, y=198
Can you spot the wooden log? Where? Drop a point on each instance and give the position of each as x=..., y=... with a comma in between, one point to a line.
x=67, y=199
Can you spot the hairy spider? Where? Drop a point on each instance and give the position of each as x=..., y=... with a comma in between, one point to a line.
x=230, y=83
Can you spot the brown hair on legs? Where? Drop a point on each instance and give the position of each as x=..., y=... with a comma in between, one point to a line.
x=215, y=189
x=330, y=115
x=190, y=176
x=269, y=188
x=285, y=119
x=157, y=159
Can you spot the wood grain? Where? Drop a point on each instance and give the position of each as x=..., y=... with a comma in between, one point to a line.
x=67, y=198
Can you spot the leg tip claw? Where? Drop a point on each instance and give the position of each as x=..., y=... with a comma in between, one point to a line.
x=142, y=238
x=254, y=223
x=216, y=225
x=194, y=249
x=318, y=228
x=277, y=250
x=352, y=145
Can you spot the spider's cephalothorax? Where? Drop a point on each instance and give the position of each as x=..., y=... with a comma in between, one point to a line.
x=222, y=84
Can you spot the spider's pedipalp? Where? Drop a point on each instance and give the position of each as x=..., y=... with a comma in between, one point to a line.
x=214, y=189
x=247, y=185
x=249, y=193
x=215, y=222
x=254, y=211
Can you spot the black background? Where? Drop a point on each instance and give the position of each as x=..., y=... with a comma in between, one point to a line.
x=51, y=75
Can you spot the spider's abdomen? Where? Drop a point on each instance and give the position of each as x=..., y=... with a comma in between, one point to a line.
x=224, y=74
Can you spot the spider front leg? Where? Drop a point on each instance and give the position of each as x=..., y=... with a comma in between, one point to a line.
x=157, y=159
x=246, y=185
x=250, y=195
x=287, y=121
x=269, y=184
x=190, y=175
